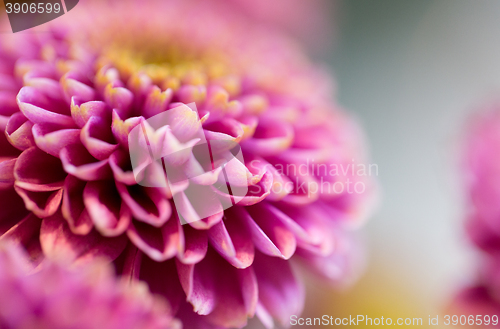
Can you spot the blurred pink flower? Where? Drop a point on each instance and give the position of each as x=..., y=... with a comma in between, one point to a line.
x=312, y=22
x=89, y=297
x=482, y=168
x=70, y=97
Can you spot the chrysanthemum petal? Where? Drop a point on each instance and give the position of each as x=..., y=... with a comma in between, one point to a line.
x=36, y=170
x=58, y=242
x=119, y=162
x=52, y=139
x=280, y=293
x=121, y=128
x=78, y=162
x=110, y=215
x=74, y=88
x=8, y=105
x=231, y=240
x=7, y=178
x=270, y=236
x=23, y=231
x=159, y=244
x=146, y=204
x=41, y=203
x=193, y=245
x=270, y=139
x=73, y=207
x=97, y=138
x=18, y=131
x=119, y=99
x=157, y=101
x=37, y=114
x=215, y=288
x=81, y=112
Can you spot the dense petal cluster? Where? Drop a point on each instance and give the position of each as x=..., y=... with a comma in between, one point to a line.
x=89, y=297
x=70, y=97
x=482, y=165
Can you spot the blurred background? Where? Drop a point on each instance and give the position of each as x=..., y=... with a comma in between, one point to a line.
x=413, y=72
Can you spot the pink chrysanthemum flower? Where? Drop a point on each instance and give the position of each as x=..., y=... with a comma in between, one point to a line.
x=71, y=96
x=482, y=165
x=83, y=297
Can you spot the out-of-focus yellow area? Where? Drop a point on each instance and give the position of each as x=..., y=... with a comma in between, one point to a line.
x=382, y=291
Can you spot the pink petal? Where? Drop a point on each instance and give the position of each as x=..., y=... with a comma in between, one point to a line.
x=105, y=76
x=128, y=264
x=8, y=82
x=281, y=184
x=269, y=235
x=140, y=84
x=159, y=244
x=119, y=99
x=27, y=99
x=6, y=148
x=157, y=101
x=82, y=112
x=74, y=88
x=119, y=162
x=228, y=126
x=34, y=67
x=191, y=319
x=192, y=94
x=147, y=204
x=215, y=288
x=18, y=131
x=315, y=228
x=13, y=209
x=8, y=104
x=121, y=128
x=183, y=121
x=256, y=193
x=199, y=289
x=305, y=190
x=342, y=265
x=264, y=316
x=163, y=279
x=41, y=203
x=238, y=296
x=193, y=245
x=204, y=212
x=270, y=138
x=46, y=86
x=96, y=136
x=24, y=230
x=109, y=214
x=73, y=208
x=219, y=106
x=35, y=170
x=220, y=141
x=78, y=162
x=59, y=243
x=52, y=139
x=26, y=233
x=166, y=145
x=7, y=172
x=231, y=240
x=280, y=293
x=236, y=174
